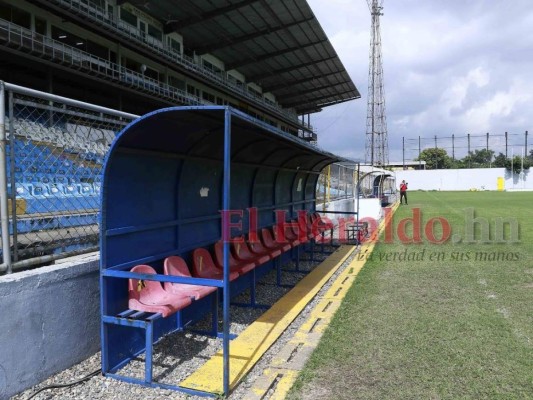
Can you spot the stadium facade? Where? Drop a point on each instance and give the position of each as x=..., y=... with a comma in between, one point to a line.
x=270, y=59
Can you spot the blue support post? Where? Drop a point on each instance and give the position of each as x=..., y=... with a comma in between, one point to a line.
x=149, y=350
x=278, y=270
x=252, y=288
x=214, y=313
x=226, y=237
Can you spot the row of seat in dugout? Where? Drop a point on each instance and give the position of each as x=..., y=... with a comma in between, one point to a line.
x=245, y=255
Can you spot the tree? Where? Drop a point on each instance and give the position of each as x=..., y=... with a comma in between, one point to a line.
x=500, y=161
x=530, y=156
x=435, y=158
x=479, y=158
x=516, y=164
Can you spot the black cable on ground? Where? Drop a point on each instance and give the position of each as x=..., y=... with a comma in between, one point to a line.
x=63, y=385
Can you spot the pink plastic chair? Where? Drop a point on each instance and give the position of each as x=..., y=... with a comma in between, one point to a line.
x=271, y=244
x=149, y=296
x=176, y=266
x=204, y=266
x=243, y=254
x=241, y=267
x=259, y=248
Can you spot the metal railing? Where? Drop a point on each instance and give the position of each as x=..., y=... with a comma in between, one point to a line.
x=126, y=31
x=52, y=151
x=44, y=47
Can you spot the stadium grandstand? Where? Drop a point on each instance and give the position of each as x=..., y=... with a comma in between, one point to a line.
x=104, y=103
x=268, y=59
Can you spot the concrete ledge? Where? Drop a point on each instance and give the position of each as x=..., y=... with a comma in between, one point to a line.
x=50, y=321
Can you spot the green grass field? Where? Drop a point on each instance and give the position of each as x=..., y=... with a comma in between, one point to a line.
x=455, y=321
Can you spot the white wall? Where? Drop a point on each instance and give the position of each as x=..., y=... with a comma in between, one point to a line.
x=464, y=179
x=370, y=208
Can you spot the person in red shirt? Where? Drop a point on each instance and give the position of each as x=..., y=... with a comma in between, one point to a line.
x=403, y=192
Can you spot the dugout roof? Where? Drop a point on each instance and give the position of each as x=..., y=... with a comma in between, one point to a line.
x=278, y=44
x=163, y=181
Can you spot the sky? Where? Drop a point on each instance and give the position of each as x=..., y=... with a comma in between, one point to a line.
x=450, y=67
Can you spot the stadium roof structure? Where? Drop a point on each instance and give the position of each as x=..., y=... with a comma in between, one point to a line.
x=278, y=44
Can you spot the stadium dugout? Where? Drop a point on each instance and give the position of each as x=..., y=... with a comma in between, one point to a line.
x=166, y=178
x=102, y=63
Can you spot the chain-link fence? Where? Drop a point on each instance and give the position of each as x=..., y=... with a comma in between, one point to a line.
x=54, y=154
x=459, y=146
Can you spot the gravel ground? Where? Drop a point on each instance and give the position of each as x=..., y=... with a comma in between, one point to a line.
x=177, y=355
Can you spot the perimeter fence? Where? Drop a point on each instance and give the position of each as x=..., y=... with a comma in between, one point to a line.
x=51, y=160
x=459, y=146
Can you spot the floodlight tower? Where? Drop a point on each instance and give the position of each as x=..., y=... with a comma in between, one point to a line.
x=377, y=148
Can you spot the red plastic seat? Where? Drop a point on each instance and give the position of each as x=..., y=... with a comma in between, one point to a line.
x=149, y=296
x=204, y=266
x=302, y=233
x=177, y=266
x=241, y=267
x=271, y=244
x=259, y=248
x=311, y=228
x=243, y=254
x=288, y=235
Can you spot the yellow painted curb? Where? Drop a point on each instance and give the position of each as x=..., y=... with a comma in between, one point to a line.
x=251, y=344
x=295, y=353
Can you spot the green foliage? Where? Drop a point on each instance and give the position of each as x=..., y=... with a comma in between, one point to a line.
x=479, y=158
x=516, y=164
x=530, y=156
x=500, y=161
x=435, y=158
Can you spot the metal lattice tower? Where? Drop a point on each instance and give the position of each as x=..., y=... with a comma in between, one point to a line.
x=377, y=148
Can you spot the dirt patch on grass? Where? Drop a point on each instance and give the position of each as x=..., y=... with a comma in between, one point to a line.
x=313, y=392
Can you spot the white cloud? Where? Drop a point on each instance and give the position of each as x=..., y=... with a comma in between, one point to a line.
x=450, y=67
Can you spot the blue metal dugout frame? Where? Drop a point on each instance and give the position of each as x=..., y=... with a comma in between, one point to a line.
x=165, y=178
